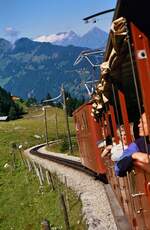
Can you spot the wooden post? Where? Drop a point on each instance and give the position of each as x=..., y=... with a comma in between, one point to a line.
x=66, y=194
x=45, y=121
x=66, y=219
x=41, y=172
x=29, y=165
x=66, y=118
x=35, y=168
x=56, y=122
x=45, y=225
x=49, y=179
x=39, y=176
x=38, y=173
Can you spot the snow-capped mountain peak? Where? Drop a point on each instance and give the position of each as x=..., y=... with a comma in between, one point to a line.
x=51, y=38
x=54, y=38
x=95, y=38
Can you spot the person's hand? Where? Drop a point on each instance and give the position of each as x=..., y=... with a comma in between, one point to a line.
x=142, y=157
x=108, y=147
x=106, y=151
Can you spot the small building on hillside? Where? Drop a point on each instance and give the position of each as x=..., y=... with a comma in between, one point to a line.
x=15, y=98
x=3, y=118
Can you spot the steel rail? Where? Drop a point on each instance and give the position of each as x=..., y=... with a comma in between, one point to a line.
x=68, y=162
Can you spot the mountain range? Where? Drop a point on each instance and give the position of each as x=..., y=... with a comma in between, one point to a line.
x=34, y=69
x=94, y=38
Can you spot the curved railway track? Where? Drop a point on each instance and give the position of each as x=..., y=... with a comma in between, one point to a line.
x=68, y=162
x=120, y=219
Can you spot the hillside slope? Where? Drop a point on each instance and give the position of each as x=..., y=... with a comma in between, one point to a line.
x=32, y=69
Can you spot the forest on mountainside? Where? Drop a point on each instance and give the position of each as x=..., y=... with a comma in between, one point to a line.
x=8, y=107
x=33, y=69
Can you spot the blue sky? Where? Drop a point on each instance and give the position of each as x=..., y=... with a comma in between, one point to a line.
x=31, y=18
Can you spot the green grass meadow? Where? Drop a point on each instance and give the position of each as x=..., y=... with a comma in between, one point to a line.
x=24, y=204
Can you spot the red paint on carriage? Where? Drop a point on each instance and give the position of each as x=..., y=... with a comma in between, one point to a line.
x=88, y=134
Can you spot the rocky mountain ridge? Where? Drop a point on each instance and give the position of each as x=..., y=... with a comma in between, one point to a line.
x=33, y=69
x=94, y=38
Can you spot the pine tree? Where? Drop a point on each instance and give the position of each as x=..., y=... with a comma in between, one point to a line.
x=12, y=113
x=72, y=103
x=48, y=97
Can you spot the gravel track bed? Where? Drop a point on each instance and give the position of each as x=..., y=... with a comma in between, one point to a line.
x=95, y=204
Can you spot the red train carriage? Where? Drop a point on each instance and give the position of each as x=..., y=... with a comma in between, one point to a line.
x=125, y=83
x=88, y=135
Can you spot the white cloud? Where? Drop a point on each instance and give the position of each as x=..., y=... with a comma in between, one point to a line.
x=11, y=33
x=51, y=38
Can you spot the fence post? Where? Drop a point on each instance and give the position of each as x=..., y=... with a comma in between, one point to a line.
x=45, y=225
x=45, y=121
x=38, y=173
x=21, y=155
x=39, y=176
x=49, y=179
x=62, y=200
x=56, y=122
x=66, y=194
x=41, y=172
x=66, y=118
x=29, y=165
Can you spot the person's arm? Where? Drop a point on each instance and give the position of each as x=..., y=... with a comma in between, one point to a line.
x=142, y=157
x=145, y=167
x=106, y=151
x=125, y=162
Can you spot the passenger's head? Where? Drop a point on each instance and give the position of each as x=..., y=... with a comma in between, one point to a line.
x=124, y=138
x=122, y=134
x=143, y=126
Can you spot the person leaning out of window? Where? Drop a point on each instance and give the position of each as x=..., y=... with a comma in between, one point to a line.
x=137, y=152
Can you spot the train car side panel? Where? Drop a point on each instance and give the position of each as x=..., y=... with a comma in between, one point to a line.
x=88, y=134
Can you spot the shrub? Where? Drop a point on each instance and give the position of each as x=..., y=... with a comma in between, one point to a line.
x=64, y=145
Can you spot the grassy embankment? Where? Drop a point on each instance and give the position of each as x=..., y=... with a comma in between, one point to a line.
x=23, y=203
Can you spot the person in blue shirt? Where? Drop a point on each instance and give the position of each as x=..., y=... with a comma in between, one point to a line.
x=136, y=151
